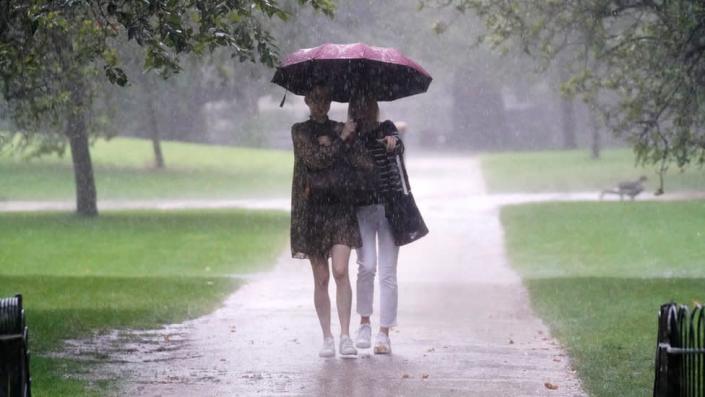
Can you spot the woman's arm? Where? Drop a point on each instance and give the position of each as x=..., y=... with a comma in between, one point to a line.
x=391, y=137
x=314, y=155
x=358, y=156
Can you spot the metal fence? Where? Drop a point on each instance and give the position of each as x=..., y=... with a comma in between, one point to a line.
x=680, y=352
x=14, y=355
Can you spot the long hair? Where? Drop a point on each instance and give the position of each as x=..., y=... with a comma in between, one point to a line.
x=363, y=109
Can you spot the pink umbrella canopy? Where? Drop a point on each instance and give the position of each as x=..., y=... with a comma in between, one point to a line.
x=350, y=69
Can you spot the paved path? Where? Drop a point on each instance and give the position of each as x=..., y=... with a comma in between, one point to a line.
x=474, y=199
x=465, y=325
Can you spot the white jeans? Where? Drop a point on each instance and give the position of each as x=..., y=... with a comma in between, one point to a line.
x=377, y=248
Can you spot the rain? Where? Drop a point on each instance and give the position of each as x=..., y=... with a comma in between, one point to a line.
x=351, y=198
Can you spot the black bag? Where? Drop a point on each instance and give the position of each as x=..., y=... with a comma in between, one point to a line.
x=404, y=218
x=339, y=183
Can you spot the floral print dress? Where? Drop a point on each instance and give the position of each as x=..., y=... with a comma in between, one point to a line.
x=318, y=225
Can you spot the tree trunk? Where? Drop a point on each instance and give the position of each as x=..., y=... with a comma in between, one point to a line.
x=77, y=130
x=4, y=15
x=596, y=145
x=157, y=146
x=77, y=133
x=154, y=128
x=567, y=107
x=568, y=123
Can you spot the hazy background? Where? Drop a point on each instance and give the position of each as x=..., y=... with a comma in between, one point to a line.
x=479, y=100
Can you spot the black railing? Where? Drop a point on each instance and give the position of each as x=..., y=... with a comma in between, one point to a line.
x=680, y=352
x=14, y=354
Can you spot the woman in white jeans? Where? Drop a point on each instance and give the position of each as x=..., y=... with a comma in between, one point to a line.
x=378, y=252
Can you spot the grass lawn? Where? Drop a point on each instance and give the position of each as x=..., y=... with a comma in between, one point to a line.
x=598, y=272
x=124, y=170
x=562, y=171
x=125, y=269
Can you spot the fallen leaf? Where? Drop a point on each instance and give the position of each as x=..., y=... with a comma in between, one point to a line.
x=550, y=386
x=405, y=376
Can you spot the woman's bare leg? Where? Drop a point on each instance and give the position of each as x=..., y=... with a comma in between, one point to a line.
x=321, y=300
x=341, y=257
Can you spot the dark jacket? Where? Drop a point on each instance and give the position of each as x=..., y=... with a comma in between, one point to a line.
x=393, y=188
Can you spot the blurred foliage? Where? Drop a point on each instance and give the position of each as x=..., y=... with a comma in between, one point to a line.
x=212, y=89
x=52, y=54
x=47, y=48
x=641, y=63
x=460, y=105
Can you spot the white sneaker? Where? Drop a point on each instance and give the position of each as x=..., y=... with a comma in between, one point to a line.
x=346, y=346
x=328, y=348
x=364, y=334
x=382, y=344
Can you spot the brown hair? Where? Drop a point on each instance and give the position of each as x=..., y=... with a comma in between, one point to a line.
x=365, y=105
x=319, y=87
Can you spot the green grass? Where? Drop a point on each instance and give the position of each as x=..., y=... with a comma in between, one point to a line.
x=598, y=272
x=558, y=171
x=124, y=170
x=125, y=269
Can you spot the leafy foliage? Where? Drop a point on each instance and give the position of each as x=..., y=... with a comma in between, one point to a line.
x=52, y=51
x=48, y=47
x=640, y=62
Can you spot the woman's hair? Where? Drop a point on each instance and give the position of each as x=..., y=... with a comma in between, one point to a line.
x=364, y=105
x=319, y=87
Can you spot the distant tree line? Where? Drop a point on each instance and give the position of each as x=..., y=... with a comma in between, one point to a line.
x=639, y=64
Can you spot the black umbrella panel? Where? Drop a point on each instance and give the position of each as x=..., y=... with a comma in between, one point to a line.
x=348, y=77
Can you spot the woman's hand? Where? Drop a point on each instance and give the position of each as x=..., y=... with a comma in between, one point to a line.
x=324, y=140
x=348, y=130
x=390, y=142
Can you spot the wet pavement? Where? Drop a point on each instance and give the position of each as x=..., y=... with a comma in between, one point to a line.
x=473, y=199
x=465, y=324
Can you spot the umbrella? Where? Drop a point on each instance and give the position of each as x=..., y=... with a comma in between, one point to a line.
x=384, y=73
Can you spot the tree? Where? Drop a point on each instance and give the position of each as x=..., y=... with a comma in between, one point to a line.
x=52, y=54
x=204, y=80
x=640, y=63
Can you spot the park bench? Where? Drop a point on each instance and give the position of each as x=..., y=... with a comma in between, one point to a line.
x=680, y=352
x=14, y=355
